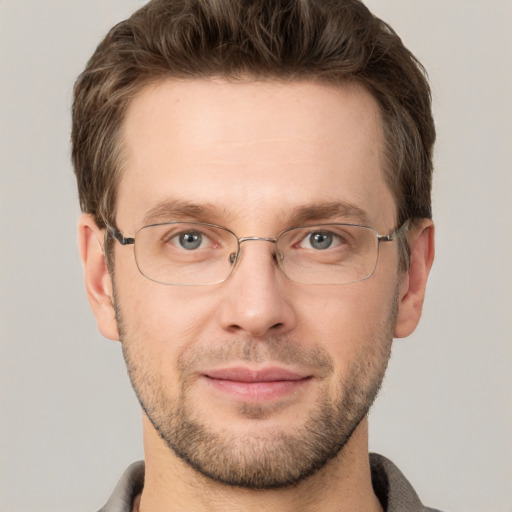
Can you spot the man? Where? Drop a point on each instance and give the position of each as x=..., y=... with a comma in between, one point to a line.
x=255, y=179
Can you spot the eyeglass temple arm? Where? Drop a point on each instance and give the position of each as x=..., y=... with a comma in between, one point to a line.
x=123, y=240
x=394, y=234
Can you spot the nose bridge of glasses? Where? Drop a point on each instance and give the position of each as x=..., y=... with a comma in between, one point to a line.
x=241, y=240
x=257, y=238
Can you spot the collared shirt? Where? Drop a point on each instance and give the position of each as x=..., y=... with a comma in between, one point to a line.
x=389, y=484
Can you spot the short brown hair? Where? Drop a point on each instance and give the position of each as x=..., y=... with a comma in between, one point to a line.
x=333, y=41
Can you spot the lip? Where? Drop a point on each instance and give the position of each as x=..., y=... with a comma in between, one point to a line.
x=256, y=385
x=241, y=374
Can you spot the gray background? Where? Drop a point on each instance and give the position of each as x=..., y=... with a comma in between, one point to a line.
x=69, y=421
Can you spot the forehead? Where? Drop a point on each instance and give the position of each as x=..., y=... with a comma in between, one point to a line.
x=251, y=150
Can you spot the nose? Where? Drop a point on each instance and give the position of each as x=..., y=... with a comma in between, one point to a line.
x=257, y=300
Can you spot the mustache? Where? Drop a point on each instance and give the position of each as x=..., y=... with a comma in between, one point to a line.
x=277, y=349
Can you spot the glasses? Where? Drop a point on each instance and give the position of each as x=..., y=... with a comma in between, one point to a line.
x=196, y=253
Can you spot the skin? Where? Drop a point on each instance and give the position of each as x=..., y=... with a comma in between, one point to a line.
x=254, y=153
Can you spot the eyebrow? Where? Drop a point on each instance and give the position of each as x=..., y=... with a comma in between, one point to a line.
x=332, y=211
x=178, y=209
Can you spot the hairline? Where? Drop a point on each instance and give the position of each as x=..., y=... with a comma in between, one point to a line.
x=120, y=157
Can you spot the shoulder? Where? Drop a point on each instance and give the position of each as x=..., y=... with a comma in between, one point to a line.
x=392, y=488
x=129, y=486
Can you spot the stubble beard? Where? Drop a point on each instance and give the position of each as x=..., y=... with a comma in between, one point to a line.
x=267, y=458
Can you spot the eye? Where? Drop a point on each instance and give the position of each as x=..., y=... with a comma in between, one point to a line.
x=320, y=240
x=190, y=240
x=182, y=238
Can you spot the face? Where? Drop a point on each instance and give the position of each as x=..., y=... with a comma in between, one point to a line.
x=257, y=381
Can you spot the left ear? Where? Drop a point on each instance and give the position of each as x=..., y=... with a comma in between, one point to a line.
x=414, y=280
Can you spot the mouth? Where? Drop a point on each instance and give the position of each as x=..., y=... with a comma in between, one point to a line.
x=256, y=386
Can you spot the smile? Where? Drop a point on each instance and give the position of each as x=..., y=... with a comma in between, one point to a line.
x=256, y=386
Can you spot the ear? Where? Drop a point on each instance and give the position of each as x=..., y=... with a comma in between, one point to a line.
x=414, y=281
x=98, y=283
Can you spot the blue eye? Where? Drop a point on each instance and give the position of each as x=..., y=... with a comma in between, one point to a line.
x=320, y=240
x=191, y=240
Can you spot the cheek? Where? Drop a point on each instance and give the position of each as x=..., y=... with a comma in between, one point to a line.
x=162, y=321
x=350, y=321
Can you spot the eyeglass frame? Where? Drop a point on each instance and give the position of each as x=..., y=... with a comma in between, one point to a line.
x=390, y=237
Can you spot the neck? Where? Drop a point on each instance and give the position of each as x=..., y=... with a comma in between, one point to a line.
x=343, y=484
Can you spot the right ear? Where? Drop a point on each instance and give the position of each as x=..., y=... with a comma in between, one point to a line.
x=98, y=282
